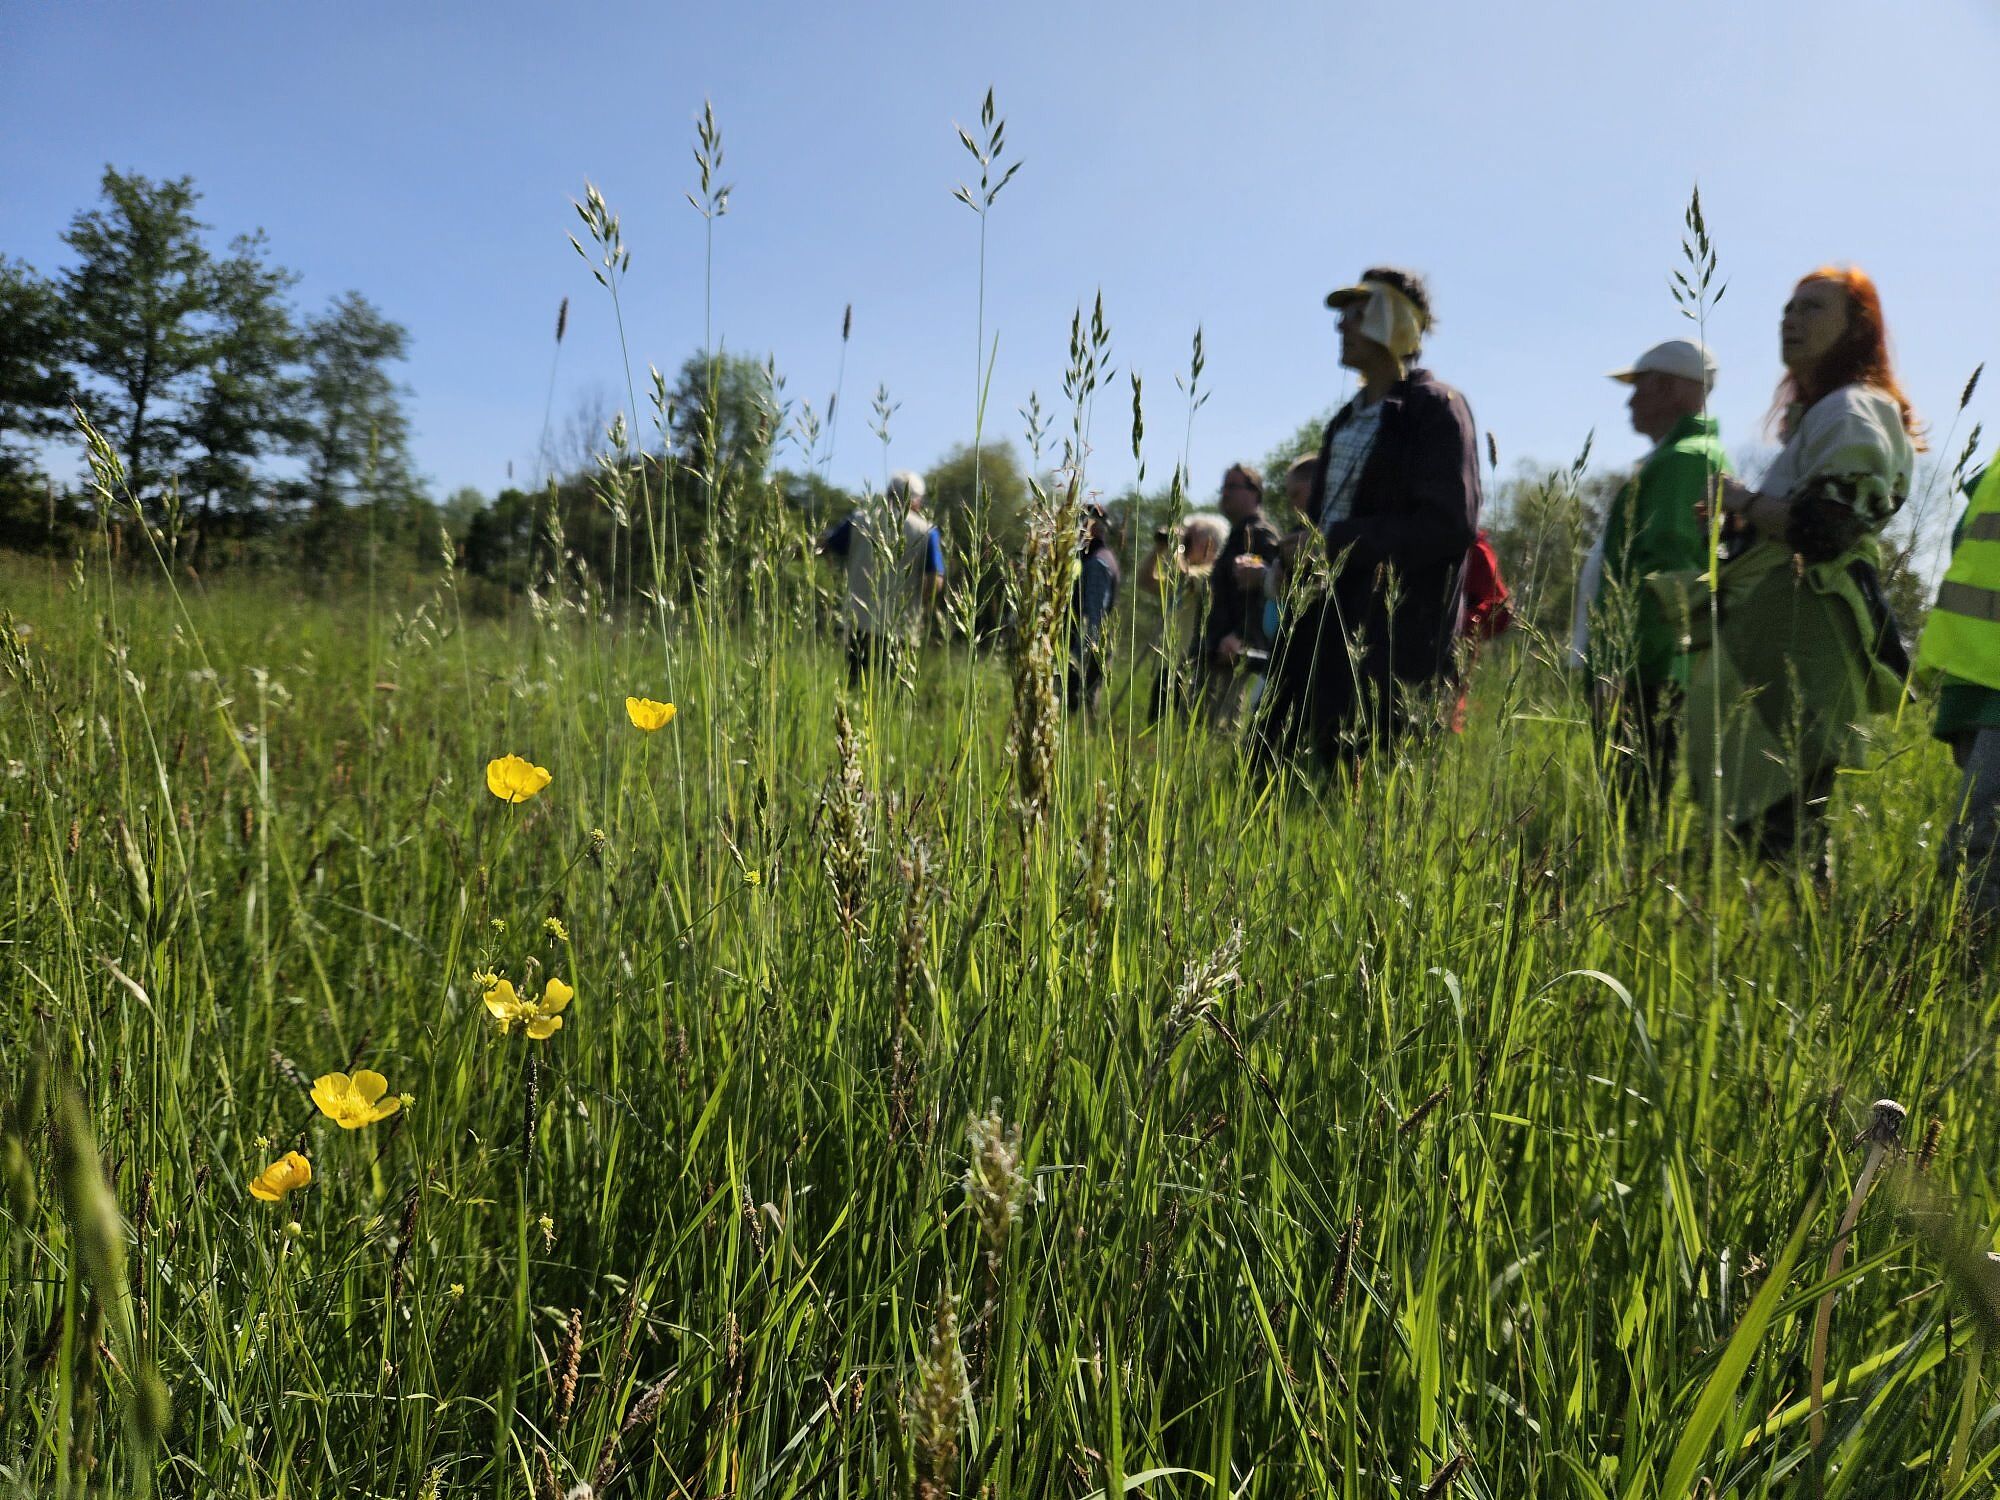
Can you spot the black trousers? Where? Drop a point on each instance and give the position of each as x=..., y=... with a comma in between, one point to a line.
x=1332, y=704
x=1642, y=721
x=869, y=653
x=1795, y=826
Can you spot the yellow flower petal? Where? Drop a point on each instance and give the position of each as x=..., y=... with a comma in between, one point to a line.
x=544, y=1027
x=329, y=1091
x=555, y=995
x=289, y=1172
x=370, y=1086
x=512, y=779
x=647, y=714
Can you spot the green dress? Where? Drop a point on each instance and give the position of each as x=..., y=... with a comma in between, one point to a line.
x=1780, y=685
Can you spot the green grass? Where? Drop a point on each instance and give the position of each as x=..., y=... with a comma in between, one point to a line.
x=1331, y=1134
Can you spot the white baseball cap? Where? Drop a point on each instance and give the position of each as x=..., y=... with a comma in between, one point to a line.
x=1682, y=357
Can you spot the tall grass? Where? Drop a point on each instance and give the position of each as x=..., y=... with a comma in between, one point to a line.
x=1417, y=1133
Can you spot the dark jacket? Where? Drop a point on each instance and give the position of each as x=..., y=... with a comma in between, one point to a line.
x=1414, y=515
x=1232, y=611
x=1096, y=591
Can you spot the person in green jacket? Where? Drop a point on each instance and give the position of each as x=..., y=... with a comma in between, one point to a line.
x=1620, y=634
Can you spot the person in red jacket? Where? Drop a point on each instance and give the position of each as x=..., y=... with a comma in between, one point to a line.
x=1488, y=610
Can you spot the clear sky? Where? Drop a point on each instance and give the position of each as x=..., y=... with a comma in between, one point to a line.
x=1201, y=164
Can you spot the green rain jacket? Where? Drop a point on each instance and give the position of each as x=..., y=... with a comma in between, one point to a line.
x=1652, y=528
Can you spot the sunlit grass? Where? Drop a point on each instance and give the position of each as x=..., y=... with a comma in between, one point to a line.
x=1304, y=1137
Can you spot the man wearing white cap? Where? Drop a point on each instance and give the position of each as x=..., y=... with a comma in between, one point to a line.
x=1633, y=653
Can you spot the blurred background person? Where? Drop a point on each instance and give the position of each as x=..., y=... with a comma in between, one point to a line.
x=894, y=561
x=1177, y=571
x=1962, y=642
x=1233, y=630
x=1488, y=614
x=1095, y=595
x=1620, y=634
x=1277, y=577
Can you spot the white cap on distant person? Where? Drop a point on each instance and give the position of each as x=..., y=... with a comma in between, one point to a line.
x=1682, y=357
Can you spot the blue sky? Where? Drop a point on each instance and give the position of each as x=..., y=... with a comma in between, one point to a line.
x=1209, y=165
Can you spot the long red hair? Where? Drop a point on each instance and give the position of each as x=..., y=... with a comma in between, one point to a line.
x=1860, y=358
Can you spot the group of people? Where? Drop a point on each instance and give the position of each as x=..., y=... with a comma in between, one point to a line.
x=1340, y=629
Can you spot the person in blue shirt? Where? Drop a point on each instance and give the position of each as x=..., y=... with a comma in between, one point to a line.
x=895, y=573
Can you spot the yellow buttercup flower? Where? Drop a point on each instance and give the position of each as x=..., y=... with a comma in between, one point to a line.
x=353, y=1102
x=541, y=1019
x=283, y=1175
x=513, y=779
x=647, y=715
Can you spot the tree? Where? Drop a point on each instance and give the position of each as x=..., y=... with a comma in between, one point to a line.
x=352, y=433
x=246, y=402
x=812, y=498
x=34, y=388
x=135, y=299
x=983, y=533
x=584, y=434
x=460, y=509
x=735, y=450
x=1542, y=523
x=1306, y=438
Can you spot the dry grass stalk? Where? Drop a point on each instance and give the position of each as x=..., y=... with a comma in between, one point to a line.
x=569, y=1362
x=844, y=834
x=1043, y=601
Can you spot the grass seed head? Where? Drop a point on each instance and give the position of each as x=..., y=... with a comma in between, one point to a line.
x=938, y=1405
x=995, y=1184
x=569, y=1360
x=92, y=1211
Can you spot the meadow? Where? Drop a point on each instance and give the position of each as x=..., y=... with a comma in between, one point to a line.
x=912, y=1090
x=917, y=1127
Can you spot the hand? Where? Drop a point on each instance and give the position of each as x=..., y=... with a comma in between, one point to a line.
x=1228, y=649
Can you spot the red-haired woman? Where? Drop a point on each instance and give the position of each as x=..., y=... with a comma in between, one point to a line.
x=1805, y=647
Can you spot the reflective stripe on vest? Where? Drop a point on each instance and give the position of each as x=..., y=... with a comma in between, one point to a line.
x=1962, y=635
x=1969, y=598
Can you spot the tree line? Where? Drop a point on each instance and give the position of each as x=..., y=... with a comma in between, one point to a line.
x=246, y=428
x=230, y=413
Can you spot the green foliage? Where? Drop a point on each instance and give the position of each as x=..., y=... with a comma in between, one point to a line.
x=1304, y=441
x=246, y=401
x=135, y=302
x=352, y=435
x=979, y=503
x=1541, y=523
x=724, y=420
x=35, y=390
x=193, y=366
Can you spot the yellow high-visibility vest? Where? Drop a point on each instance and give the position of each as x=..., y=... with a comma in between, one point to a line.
x=1962, y=635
